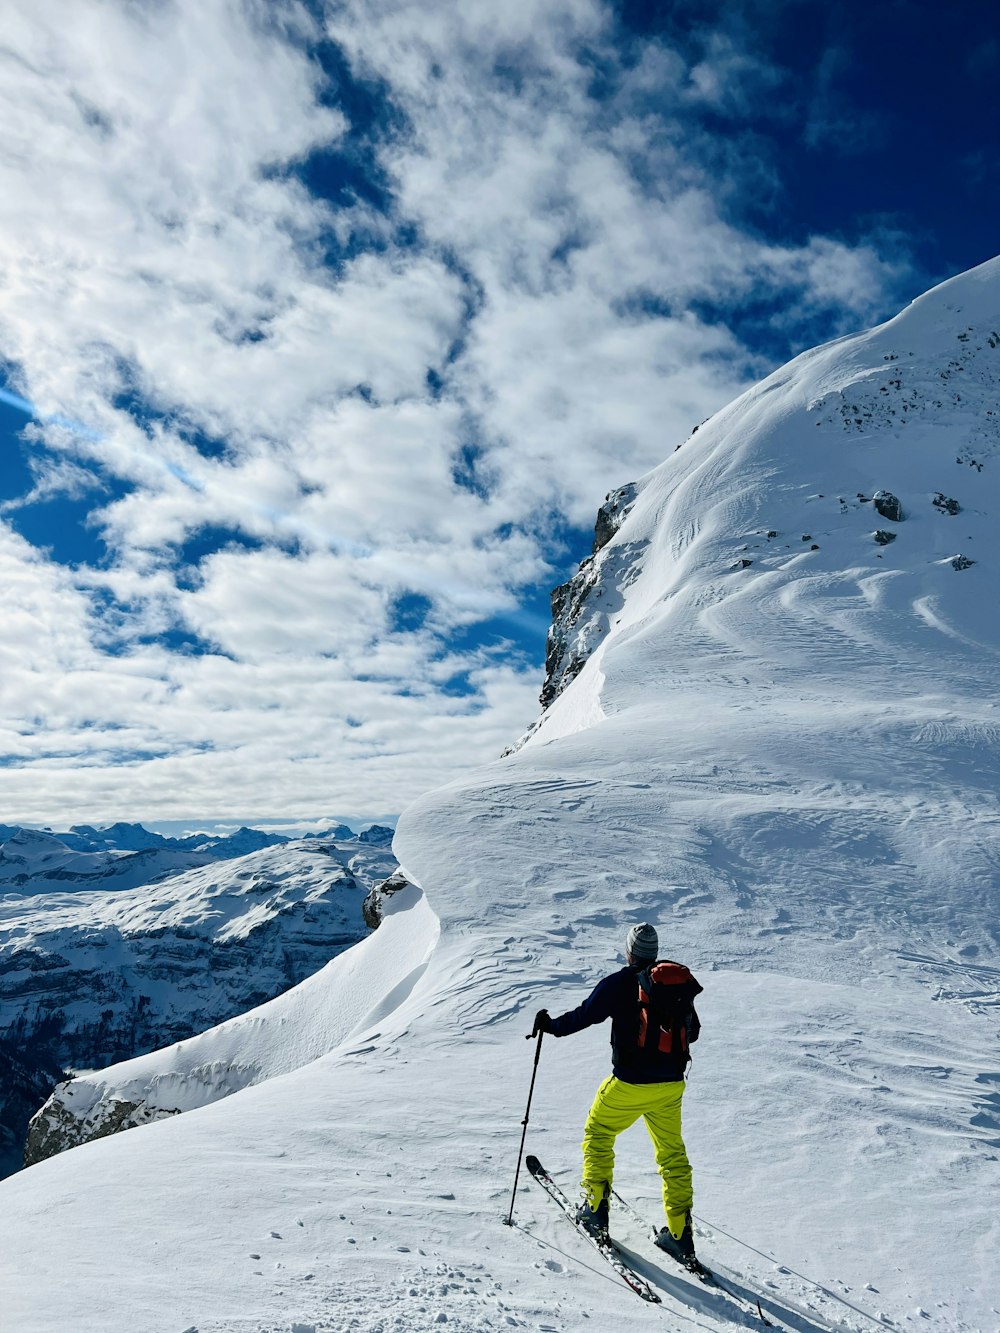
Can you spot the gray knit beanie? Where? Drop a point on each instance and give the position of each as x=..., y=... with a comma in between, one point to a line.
x=641, y=943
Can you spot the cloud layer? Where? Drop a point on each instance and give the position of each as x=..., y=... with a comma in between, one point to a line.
x=359, y=315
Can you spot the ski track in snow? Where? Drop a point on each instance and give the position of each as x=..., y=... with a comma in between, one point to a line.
x=791, y=767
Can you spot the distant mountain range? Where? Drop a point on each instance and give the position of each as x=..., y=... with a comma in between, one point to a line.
x=122, y=837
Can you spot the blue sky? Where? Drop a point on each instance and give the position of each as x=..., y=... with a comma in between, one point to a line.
x=337, y=322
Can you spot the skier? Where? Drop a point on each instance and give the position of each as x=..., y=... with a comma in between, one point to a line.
x=653, y=1022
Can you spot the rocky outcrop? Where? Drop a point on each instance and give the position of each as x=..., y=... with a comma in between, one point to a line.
x=583, y=607
x=373, y=907
x=888, y=505
x=55, y=1127
x=612, y=514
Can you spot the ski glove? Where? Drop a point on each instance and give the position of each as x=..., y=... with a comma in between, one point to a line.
x=543, y=1023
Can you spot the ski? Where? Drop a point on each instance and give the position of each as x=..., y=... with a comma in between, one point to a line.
x=605, y=1246
x=694, y=1266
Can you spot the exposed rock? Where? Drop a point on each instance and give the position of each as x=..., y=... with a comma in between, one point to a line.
x=961, y=562
x=583, y=606
x=946, y=505
x=379, y=835
x=567, y=601
x=55, y=1127
x=583, y=609
x=612, y=513
x=888, y=506
x=743, y=564
x=882, y=537
x=371, y=908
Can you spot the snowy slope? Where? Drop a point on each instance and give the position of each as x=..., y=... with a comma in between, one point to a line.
x=790, y=767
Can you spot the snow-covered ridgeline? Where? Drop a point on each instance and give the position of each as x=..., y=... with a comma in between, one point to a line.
x=123, y=856
x=33, y=862
x=753, y=547
x=790, y=766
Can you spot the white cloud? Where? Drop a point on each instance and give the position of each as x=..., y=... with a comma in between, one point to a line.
x=524, y=310
x=278, y=726
x=52, y=478
x=731, y=80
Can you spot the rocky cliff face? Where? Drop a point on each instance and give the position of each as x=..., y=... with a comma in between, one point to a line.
x=57, y=1127
x=25, y=1083
x=90, y=978
x=583, y=608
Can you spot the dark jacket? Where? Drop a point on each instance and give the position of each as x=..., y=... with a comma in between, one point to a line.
x=617, y=998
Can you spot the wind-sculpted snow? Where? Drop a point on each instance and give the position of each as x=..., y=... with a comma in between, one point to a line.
x=762, y=572
x=780, y=747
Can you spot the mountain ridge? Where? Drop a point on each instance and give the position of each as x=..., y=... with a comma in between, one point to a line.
x=126, y=837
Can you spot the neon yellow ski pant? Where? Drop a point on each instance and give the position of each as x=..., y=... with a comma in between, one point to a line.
x=616, y=1107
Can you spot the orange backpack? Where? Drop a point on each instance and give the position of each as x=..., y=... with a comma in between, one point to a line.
x=668, y=1022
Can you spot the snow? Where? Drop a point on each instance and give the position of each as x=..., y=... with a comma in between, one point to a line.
x=32, y=862
x=791, y=769
x=224, y=900
x=284, y=1034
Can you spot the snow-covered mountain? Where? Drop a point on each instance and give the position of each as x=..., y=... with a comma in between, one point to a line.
x=773, y=733
x=122, y=837
x=92, y=975
x=33, y=862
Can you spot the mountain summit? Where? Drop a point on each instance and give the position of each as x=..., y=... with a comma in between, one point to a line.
x=813, y=528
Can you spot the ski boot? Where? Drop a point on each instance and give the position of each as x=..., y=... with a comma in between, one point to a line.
x=595, y=1220
x=680, y=1248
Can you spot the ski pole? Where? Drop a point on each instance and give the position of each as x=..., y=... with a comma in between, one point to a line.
x=538, y=1050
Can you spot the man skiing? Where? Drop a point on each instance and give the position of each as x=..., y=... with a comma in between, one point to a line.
x=653, y=1022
